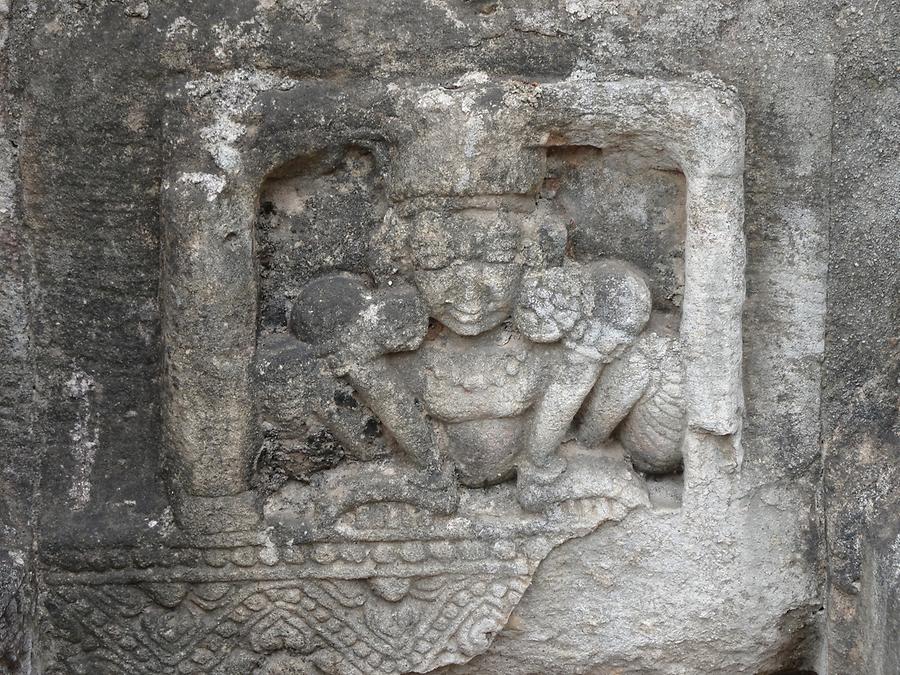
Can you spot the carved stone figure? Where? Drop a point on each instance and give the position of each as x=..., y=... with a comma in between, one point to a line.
x=491, y=390
x=476, y=374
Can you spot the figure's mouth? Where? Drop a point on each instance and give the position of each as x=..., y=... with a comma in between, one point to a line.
x=466, y=317
x=472, y=323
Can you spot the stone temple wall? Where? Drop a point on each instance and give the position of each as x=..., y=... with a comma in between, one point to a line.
x=461, y=336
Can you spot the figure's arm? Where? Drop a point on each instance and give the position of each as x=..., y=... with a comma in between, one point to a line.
x=619, y=387
x=596, y=310
x=388, y=397
x=395, y=321
x=355, y=327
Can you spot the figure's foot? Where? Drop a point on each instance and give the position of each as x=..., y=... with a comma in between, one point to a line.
x=544, y=473
x=336, y=491
x=535, y=484
x=435, y=490
x=586, y=478
x=436, y=477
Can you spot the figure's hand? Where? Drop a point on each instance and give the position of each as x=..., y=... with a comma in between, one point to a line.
x=551, y=302
x=594, y=340
x=395, y=321
x=340, y=315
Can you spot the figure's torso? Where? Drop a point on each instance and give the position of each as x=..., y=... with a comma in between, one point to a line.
x=481, y=390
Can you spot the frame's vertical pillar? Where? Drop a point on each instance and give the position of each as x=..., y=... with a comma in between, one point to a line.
x=712, y=154
x=710, y=148
x=225, y=132
x=701, y=128
x=209, y=290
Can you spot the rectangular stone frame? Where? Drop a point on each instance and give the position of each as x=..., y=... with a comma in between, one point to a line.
x=209, y=287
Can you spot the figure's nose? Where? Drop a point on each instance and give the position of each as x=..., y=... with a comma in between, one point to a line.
x=472, y=294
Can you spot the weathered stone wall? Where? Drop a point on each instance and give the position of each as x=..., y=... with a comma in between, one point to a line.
x=860, y=423
x=770, y=569
x=18, y=466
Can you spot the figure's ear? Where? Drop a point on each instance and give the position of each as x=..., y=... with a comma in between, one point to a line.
x=389, y=253
x=527, y=315
x=550, y=303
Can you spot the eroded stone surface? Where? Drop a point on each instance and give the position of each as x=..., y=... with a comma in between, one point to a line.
x=334, y=116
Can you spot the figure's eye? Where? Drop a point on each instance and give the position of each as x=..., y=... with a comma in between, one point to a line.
x=498, y=243
x=498, y=253
x=496, y=247
x=436, y=281
x=434, y=244
x=430, y=259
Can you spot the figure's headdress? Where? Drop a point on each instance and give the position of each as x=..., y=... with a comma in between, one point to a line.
x=432, y=238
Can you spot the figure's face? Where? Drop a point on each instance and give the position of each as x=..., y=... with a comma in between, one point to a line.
x=467, y=271
x=469, y=297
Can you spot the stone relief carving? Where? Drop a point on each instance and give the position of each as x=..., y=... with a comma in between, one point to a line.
x=489, y=390
x=434, y=418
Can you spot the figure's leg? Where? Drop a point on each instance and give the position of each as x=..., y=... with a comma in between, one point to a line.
x=553, y=414
x=395, y=406
x=619, y=387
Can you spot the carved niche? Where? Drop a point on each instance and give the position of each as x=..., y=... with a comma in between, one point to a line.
x=404, y=362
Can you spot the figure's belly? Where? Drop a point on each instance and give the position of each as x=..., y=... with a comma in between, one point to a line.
x=481, y=389
x=454, y=404
x=485, y=383
x=485, y=451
